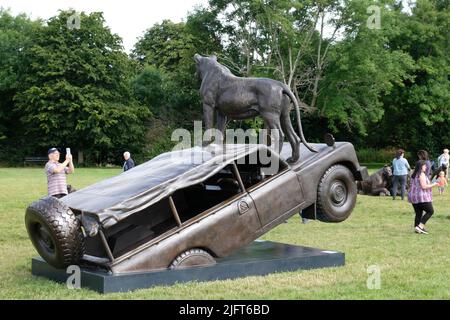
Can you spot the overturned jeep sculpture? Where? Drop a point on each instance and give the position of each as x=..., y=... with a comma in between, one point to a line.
x=188, y=207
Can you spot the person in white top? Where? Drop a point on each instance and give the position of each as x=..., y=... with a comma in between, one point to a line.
x=444, y=160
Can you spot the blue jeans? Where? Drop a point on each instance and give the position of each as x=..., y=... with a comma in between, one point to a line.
x=396, y=180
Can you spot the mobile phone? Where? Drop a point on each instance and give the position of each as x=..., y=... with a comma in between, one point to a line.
x=67, y=150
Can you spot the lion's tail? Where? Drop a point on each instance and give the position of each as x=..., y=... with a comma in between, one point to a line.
x=288, y=91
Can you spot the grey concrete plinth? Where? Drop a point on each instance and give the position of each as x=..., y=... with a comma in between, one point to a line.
x=257, y=259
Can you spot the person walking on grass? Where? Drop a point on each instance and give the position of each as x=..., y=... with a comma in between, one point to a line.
x=444, y=160
x=56, y=173
x=401, y=167
x=421, y=197
x=423, y=155
x=441, y=182
x=129, y=163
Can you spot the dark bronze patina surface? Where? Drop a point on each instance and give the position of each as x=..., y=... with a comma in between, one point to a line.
x=192, y=216
x=226, y=96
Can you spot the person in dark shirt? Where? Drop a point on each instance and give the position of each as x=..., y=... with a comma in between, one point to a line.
x=423, y=155
x=129, y=163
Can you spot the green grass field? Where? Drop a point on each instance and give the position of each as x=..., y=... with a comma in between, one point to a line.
x=379, y=232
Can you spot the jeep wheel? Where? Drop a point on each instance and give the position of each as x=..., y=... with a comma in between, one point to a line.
x=192, y=258
x=336, y=194
x=55, y=232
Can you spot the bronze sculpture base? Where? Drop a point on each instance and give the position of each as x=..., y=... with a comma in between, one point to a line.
x=258, y=258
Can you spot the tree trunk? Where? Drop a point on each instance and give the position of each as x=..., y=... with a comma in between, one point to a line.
x=80, y=157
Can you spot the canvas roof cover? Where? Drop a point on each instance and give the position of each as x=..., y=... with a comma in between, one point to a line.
x=118, y=197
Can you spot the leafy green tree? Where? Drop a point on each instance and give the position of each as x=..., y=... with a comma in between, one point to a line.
x=77, y=91
x=361, y=70
x=417, y=112
x=166, y=52
x=374, y=87
x=148, y=87
x=15, y=37
x=165, y=46
x=338, y=68
x=238, y=20
x=353, y=80
x=206, y=30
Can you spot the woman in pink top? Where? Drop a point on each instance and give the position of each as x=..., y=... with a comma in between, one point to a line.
x=420, y=195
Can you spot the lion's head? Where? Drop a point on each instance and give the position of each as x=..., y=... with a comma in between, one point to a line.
x=387, y=170
x=203, y=65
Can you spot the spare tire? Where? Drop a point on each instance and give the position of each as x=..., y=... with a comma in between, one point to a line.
x=336, y=194
x=55, y=232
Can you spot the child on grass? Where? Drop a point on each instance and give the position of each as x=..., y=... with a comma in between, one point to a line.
x=442, y=182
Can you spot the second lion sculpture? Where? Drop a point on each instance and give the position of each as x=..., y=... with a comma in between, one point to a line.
x=230, y=97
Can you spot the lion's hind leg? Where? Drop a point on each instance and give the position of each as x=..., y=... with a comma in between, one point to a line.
x=272, y=122
x=292, y=137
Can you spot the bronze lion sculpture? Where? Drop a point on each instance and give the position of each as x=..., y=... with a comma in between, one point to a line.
x=232, y=97
x=378, y=184
x=381, y=183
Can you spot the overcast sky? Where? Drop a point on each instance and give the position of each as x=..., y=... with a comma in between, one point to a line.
x=128, y=18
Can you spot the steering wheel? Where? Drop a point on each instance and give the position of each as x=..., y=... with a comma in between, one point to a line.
x=228, y=183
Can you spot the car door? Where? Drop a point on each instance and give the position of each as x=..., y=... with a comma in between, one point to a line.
x=276, y=196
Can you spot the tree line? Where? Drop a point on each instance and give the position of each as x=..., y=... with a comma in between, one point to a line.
x=371, y=72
